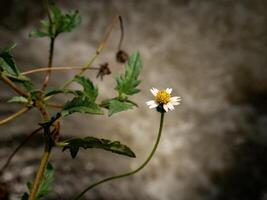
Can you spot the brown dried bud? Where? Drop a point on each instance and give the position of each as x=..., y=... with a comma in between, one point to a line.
x=122, y=56
x=103, y=70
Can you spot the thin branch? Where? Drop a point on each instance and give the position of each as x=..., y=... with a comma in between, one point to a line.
x=13, y=86
x=122, y=33
x=26, y=139
x=54, y=105
x=98, y=50
x=50, y=62
x=20, y=112
x=44, y=69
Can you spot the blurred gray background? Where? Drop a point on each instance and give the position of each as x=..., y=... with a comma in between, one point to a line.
x=211, y=52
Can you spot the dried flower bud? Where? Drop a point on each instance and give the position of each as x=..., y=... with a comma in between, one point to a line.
x=122, y=56
x=103, y=70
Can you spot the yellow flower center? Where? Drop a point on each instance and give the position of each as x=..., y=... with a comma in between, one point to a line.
x=163, y=97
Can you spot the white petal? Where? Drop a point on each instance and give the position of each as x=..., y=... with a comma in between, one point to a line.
x=153, y=106
x=175, y=103
x=175, y=99
x=170, y=106
x=169, y=90
x=150, y=102
x=154, y=91
x=165, y=107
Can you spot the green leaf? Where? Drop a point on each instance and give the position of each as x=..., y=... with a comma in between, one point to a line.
x=62, y=91
x=7, y=63
x=115, y=105
x=18, y=99
x=91, y=142
x=64, y=22
x=37, y=33
x=60, y=23
x=81, y=105
x=45, y=185
x=89, y=89
x=127, y=83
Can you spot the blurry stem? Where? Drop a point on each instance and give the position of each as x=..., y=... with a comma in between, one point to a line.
x=26, y=139
x=98, y=50
x=122, y=33
x=54, y=105
x=50, y=62
x=44, y=69
x=13, y=86
x=46, y=5
x=129, y=173
x=20, y=112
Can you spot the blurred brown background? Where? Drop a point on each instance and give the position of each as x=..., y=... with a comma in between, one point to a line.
x=213, y=55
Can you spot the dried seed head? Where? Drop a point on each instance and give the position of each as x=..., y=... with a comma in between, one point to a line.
x=103, y=70
x=122, y=56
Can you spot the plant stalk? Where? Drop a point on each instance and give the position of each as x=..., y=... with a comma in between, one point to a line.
x=13, y=86
x=15, y=115
x=45, y=156
x=50, y=62
x=132, y=172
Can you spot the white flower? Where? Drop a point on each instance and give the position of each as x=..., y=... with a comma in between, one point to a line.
x=163, y=98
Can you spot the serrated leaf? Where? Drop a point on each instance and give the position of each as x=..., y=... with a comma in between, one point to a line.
x=47, y=181
x=45, y=185
x=127, y=83
x=18, y=99
x=60, y=23
x=81, y=105
x=91, y=142
x=90, y=90
x=62, y=91
x=65, y=22
x=115, y=105
x=7, y=63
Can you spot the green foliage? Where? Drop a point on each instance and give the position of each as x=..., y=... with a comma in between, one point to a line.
x=7, y=63
x=18, y=99
x=81, y=104
x=116, y=105
x=55, y=91
x=91, y=142
x=127, y=83
x=89, y=89
x=45, y=186
x=8, y=68
x=60, y=23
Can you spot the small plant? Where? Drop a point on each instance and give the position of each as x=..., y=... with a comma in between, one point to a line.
x=77, y=101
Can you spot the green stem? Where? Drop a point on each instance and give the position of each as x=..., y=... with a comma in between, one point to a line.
x=132, y=172
x=45, y=156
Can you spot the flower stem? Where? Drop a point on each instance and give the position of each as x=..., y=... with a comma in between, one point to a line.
x=20, y=112
x=132, y=172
